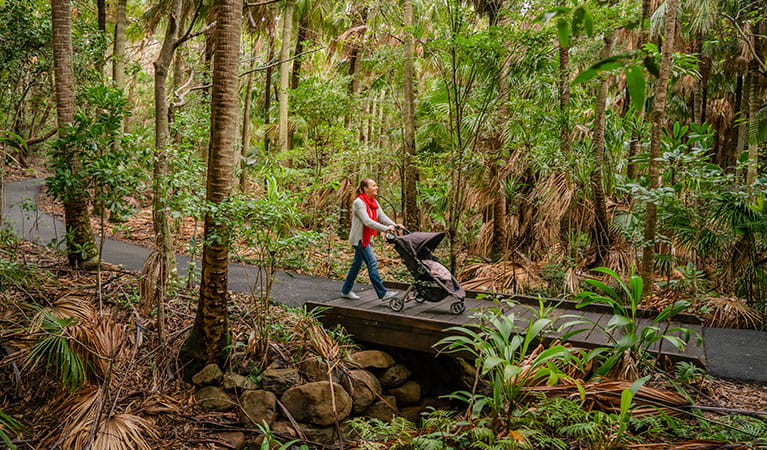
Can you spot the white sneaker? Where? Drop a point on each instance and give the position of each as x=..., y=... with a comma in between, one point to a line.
x=389, y=294
x=350, y=295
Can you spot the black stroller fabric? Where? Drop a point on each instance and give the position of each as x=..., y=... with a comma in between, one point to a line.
x=416, y=248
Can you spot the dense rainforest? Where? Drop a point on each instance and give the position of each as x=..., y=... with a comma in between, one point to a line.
x=597, y=151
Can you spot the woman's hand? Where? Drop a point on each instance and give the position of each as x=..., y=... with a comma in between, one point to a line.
x=400, y=226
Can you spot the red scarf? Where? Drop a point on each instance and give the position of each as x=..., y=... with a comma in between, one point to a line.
x=372, y=208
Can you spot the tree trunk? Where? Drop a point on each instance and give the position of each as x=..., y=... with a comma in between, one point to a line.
x=287, y=33
x=81, y=244
x=658, y=115
x=636, y=133
x=697, y=93
x=267, y=92
x=160, y=212
x=245, y=135
x=295, y=73
x=601, y=232
x=410, y=191
x=101, y=19
x=752, y=134
x=118, y=56
x=209, y=339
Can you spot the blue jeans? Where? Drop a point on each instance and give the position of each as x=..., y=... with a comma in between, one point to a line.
x=364, y=254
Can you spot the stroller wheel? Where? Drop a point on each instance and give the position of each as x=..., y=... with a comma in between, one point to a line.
x=457, y=308
x=419, y=298
x=396, y=304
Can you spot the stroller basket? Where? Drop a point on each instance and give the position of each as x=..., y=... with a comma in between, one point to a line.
x=433, y=282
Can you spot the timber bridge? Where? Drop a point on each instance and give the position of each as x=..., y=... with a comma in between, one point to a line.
x=419, y=326
x=726, y=353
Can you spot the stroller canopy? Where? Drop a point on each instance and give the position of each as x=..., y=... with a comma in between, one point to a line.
x=421, y=244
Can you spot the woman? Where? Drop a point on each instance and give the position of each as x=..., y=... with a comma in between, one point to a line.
x=367, y=220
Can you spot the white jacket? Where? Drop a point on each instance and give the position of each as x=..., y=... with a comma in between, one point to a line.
x=360, y=218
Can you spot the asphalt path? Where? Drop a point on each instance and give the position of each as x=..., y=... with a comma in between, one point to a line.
x=734, y=354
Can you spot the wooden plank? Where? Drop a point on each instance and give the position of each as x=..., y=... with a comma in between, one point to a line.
x=420, y=326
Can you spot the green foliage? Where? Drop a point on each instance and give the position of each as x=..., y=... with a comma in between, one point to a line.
x=53, y=349
x=270, y=441
x=499, y=348
x=8, y=425
x=103, y=172
x=632, y=338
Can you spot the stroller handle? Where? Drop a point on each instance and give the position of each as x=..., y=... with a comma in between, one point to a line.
x=391, y=235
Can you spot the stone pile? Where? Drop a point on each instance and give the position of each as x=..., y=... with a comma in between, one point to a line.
x=375, y=386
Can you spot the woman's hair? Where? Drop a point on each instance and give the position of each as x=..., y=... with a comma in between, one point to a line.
x=363, y=184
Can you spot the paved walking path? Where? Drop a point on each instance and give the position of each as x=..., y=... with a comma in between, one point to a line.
x=737, y=354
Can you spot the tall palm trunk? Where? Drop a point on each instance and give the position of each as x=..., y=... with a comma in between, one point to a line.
x=287, y=37
x=118, y=56
x=81, y=244
x=410, y=188
x=160, y=213
x=209, y=339
x=101, y=21
x=245, y=135
x=752, y=132
x=636, y=133
x=268, y=92
x=601, y=233
x=295, y=73
x=658, y=115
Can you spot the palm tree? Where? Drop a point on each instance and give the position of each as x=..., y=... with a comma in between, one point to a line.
x=657, y=117
x=287, y=39
x=209, y=337
x=81, y=244
x=409, y=188
x=601, y=233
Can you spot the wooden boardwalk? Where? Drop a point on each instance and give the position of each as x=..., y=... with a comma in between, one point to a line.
x=421, y=325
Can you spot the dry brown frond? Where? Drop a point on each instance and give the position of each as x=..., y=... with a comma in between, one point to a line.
x=621, y=258
x=506, y=277
x=98, y=341
x=556, y=194
x=695, y=444
x=152, y=276
x=685, y=86
x=605, y=395
x=118, y=432
x=572, y=280
x=729, y=312
x=124, y=432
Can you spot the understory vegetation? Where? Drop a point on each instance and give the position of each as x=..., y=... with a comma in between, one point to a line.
x=66, y=358
x=610, y=154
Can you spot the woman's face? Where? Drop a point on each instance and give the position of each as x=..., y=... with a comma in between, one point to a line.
x=371, y=190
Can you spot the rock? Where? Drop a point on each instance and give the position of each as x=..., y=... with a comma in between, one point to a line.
x=371, y=358
x=407, y=394
x=413, y=413
x=280, y=380
x=235, y=439
x=315, y=370
x=236, y=381
x=383, y=410
x=209, y=375
x=257, y=407
x=323, y=435
x=284, y=428
x=312, y=402
x=363, y=387
x=213, y=398
x=395, y=375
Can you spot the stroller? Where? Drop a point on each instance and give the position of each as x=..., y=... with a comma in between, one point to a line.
x=433, y=282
